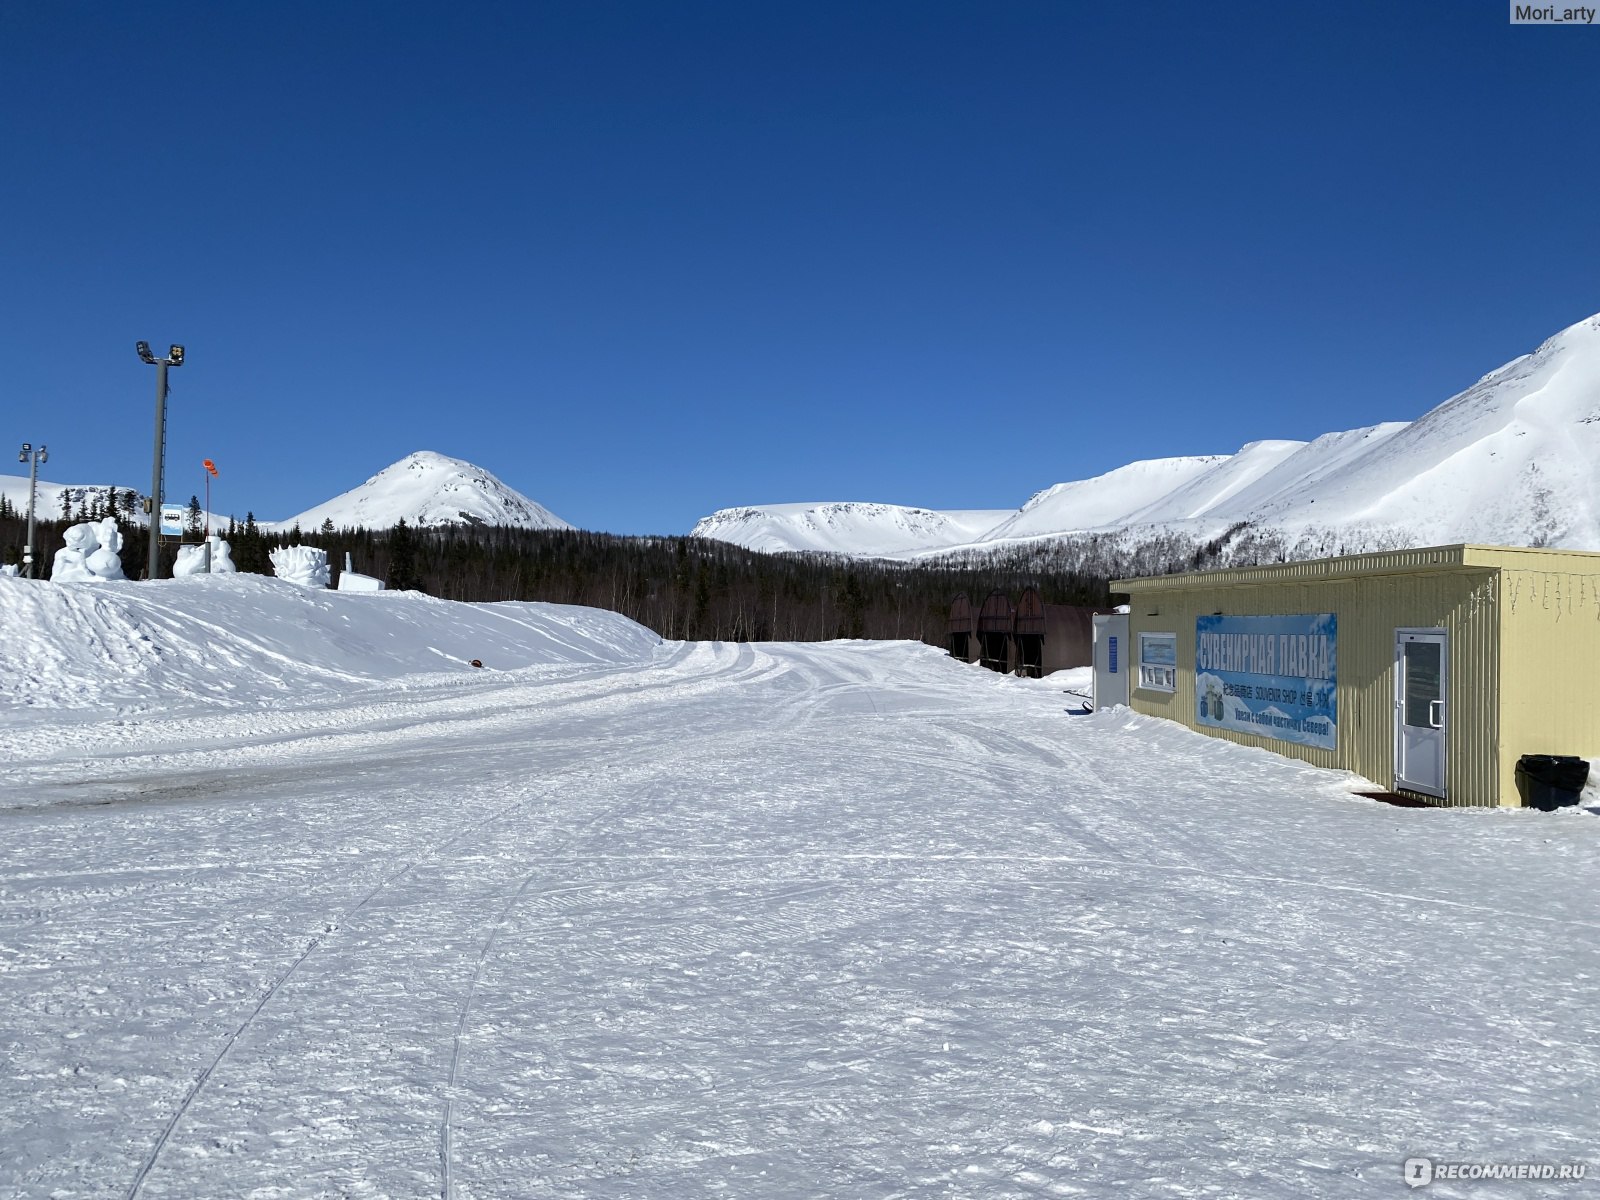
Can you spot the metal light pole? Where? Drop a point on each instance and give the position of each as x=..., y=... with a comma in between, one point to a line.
x=30, y=455
x=153, y=505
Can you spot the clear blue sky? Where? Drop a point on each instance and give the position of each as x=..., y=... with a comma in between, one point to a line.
x=648, y=260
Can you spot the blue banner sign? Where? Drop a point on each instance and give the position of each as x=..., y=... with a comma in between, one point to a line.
x=1274, y=677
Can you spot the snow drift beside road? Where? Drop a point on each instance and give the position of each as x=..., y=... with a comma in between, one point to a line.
x=246, y=639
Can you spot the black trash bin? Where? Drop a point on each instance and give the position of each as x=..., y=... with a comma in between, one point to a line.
x=1550, y=781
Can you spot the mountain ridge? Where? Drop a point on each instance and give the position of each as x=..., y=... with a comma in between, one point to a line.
x=1507, y=461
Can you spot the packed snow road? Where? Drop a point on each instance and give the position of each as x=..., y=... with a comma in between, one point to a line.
x=780, y=921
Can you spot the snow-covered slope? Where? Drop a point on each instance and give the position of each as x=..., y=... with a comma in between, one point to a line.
x=1298, y=478
x=1219, y=485
x=1106, y=500
x=47, y=501
x=861, y=529
x=247, y=639
x=428, y=489
x=1510, y=461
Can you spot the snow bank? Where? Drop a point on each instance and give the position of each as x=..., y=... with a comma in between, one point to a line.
x=246, y=639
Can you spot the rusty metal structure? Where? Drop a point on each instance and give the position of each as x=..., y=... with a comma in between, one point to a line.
x=996, y=625
x=1028, y=630
x=1051, y=637
x=959, y=637
x=1028, y=638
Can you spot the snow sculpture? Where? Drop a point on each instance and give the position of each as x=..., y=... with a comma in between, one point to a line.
x=350, y=581
x=106, y=562
x=305, y=565
x=90, y=555
x=192, y=559
x=71, y=561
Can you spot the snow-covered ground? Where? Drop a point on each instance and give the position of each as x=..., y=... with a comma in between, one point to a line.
x=612, y=917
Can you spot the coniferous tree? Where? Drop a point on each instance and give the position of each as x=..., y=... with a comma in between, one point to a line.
x=250, y=554
x=192, y=518
x=402, y=559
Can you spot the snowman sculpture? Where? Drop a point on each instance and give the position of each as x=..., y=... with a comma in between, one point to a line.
x=90, y=555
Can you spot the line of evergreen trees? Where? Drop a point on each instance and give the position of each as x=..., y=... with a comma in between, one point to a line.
x=694, y=588
x=681, y=587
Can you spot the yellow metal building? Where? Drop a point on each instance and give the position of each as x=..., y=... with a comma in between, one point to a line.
x=1427, y=671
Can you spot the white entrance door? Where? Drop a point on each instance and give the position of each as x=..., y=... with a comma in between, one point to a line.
x=1421, y=712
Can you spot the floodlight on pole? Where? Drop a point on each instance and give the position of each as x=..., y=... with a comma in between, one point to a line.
x=33, y=457
x=153, y=504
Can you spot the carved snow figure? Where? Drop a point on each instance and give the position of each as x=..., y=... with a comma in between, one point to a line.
x=305, y=565
x=106, y=562
x=85, y=559
x=192, y=559
x=222, y=557
x=71, y=561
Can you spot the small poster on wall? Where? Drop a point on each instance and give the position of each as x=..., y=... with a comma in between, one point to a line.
x=1158, y=662
x=1275, y=677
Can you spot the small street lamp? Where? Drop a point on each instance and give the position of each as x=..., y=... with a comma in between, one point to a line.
x=153, y=505
x=33, y=457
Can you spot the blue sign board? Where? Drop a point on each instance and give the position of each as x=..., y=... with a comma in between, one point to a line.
x=1275, y=677
x=1113, y=642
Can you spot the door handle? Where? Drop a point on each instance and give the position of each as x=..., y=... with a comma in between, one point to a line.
x=1436, y=713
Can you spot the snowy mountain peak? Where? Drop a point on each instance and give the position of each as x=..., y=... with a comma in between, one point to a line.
x=427, y=489
x=845, y=527
x=1508, y=461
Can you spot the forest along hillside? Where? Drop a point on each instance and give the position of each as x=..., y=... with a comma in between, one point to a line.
x=680, y=587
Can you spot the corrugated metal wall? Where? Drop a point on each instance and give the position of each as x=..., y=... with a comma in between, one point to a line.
x=1550, y=684
x=1430, y=590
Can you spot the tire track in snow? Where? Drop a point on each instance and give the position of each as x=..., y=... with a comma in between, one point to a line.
x=397, y=722
x=745, y=665
x=732, y=668
x=762, y=666
x=396, y=703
